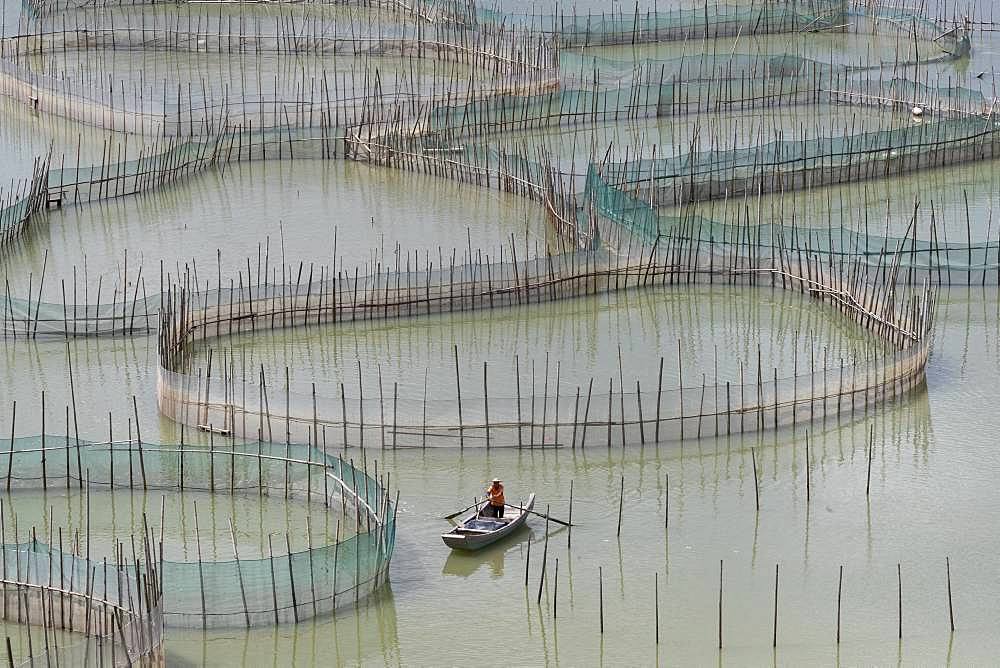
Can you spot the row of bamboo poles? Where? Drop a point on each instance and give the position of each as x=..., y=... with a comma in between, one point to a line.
x=190, y=318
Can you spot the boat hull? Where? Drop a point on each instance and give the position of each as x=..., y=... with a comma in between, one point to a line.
x=457, y=539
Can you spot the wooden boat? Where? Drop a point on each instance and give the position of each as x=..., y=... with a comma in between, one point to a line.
x=476, y=532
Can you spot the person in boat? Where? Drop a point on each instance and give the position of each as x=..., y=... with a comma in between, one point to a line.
x=494, y=494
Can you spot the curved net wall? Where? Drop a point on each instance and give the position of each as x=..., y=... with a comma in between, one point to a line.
x=331, y=67
x=25, y=200
x=116, y=608
x=433, y=135
x=280, y=588
x=713, y=19
x=232, y=401
x=918, y=258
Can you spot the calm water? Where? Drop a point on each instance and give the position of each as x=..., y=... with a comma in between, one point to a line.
x=961, y=199
x=308, y=211
x=926, y=450
x=574, y=148
x=932, y=475
x=710, y=331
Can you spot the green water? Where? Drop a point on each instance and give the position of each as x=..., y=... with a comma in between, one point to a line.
x=932, y=469
x=930, y=463
x=329, y=213
x=701, y=333
x=653, y=519
x=960, y=199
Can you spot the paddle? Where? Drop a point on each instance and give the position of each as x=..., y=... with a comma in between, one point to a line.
x=548, y=517
x=459, y=512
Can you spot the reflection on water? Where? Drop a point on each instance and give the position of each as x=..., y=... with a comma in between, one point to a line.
x=464, y=563
x=924, y=489
x=366, y=635
x=933, y=463
x=109, y=517
x=328, y=213
x=716, y=331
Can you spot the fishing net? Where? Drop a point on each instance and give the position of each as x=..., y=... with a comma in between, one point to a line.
x=192, y=394
x=710, y=20
x=277, y=589
x=206, y=70
x=116, y=619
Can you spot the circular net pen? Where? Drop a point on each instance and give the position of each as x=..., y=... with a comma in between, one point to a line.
x=231, y=400
x=280, y=587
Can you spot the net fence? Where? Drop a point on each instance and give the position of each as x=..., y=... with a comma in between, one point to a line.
x=300, y=68
x=112, y=610
x=921, y=258
x=283, y=587
x=191, y=394
x=712, y=20
x=709, y=21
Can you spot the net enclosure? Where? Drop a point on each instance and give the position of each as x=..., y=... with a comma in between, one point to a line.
x=282, y=587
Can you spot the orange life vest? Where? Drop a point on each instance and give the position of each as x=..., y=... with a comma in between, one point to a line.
x=495, y=493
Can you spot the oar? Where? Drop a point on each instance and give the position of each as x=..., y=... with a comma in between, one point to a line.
x=459, y=512
x=565, y=524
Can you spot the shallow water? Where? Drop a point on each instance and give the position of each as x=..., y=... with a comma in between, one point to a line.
x=26, y=136
x=922, y=443
x=960, y=198
x=330, y=213
x=924, y=451
x=575, y=148
x=117, y=516
x=246, y=78
x=716, y=334
x=931, y=479
x=843, y=48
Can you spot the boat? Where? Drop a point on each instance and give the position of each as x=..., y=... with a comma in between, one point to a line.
x=476, y=532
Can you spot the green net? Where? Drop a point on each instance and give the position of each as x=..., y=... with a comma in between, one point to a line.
x=116, y=614
x=923, y=258
x=283, y=587
x=710, y=20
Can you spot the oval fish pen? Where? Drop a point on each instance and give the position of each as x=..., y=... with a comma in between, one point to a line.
x=236, y=400
x=280, y=588
x=622, y=222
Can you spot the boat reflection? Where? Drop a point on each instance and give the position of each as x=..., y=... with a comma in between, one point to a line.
x=464, y=563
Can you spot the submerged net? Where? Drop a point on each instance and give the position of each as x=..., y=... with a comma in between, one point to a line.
x=921, y=258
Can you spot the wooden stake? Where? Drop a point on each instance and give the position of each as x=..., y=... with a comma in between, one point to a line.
x=527, y=563
x=545, y=557
x=720, y=603
x=555, y=592
x=569, y=534
x=868, y=479
x=458, y=388
x=808, y=485
x=899, y=591
x=774, y=636
x=600, y=596
x=951, y=610
x=840, y=588
x=656, y=605
x=239, y=572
